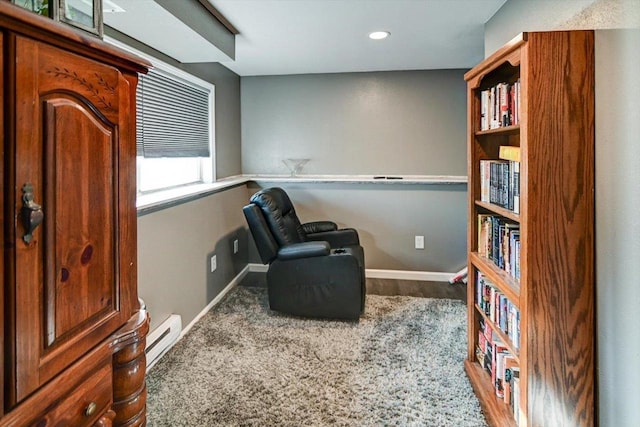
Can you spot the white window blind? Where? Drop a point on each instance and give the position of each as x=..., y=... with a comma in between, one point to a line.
x=173, y=117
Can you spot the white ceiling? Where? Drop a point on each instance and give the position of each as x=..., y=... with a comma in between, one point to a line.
x=150, y=23
x=319, y=36
x=328, y=36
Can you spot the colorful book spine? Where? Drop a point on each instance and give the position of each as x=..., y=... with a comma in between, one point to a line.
x=500, y=105
x=502, y=312
x=499, y=241
x=500, y=183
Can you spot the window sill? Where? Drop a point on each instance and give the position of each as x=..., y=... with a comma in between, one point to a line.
x=361, y=179
x=159, y=200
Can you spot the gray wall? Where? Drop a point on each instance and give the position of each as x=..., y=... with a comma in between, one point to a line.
x=401, y=122
x=617, y=176
x=174, y=247
x=388, y=217
x=404, y=123
x=174, y=244
x=618, y=224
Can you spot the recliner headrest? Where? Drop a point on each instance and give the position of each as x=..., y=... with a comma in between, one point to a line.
x=262, y=236
x=280, y=215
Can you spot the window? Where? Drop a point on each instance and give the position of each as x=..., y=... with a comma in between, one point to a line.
x=174, y=128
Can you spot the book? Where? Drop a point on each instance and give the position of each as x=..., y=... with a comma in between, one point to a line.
x=515, y=393
x=510, y=229
x=509, y=364
x=516, y=187
x=504, y=104
x=484, y=180
x=484, y=234
x=493, y=181
x=494, y=108
x=500, y=373
x=504, y=187
x=497, y=348
x=517, y=101
x=509, y=152
x=514, y=238
x=484, y=110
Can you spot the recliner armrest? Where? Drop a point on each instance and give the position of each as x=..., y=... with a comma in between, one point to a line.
x=319, y=226
x=303, y=250
x=337, y=238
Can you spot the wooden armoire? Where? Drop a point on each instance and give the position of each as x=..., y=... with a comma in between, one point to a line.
x=73, y=328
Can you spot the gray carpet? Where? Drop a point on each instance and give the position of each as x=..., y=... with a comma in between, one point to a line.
x=243, y=365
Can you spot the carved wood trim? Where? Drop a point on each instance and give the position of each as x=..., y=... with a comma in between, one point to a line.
x=129, y=368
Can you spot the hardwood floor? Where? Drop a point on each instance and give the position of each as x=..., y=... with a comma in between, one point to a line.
x=416, y=288
x=391, y=287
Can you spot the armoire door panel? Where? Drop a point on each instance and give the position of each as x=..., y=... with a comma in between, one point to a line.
x=94, y=82
x=80, y=272
x=67, y=149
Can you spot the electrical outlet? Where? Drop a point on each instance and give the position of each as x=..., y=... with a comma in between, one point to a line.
x=235, y=246
x=419, y=242
x=214, y=263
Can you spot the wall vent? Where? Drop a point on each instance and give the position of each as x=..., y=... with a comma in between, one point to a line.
x=162, y=339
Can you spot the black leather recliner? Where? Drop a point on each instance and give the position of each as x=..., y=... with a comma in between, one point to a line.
x=315, y=269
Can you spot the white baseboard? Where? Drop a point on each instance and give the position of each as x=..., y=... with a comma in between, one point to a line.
x=258, y=268
x=232, y=284
x=162, y=338
x=427, y=276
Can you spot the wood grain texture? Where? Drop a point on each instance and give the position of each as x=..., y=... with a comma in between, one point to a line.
x=559, y=225
x=127, y=268
x=67, y=122
x=85, y=404
x=495, y=411
x=473, y=187
x=74, y=251
x=39, y=405
x=106, y=420
x=3, y=222
x=507, y=53
x=129, y=366
x=556, y=293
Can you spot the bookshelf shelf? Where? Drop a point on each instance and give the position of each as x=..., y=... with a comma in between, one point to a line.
x=496, y=411
x=498, y=210
x=505, y=130
x=507, y=284
x=543, y=82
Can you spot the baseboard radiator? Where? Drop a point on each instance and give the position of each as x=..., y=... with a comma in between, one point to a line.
x=162, y=339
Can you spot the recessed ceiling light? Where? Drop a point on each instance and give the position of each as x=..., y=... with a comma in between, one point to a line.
x=379, y=35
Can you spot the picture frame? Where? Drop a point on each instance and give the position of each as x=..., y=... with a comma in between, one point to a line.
x=85, y=15
x=40, y=7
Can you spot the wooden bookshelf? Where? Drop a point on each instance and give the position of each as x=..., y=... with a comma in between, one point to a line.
x=555, y=293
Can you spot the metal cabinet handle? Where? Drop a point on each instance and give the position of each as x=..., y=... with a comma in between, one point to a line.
x=91, y=409
x=32, y=215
